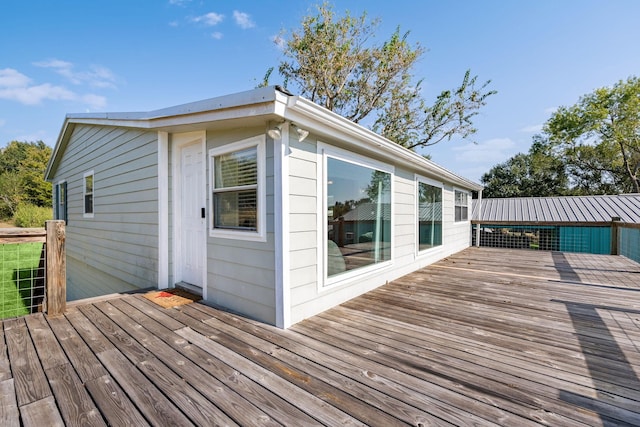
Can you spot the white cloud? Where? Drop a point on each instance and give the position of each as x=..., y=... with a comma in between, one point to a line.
x=179, y=2
x=13, y=78
x=94, y=101
x=96, y=76
x=217, y=35
x=532, y=129
x=493, y=150
x=15, y=86
x=174, y=24
x=243, y=20
x=550, y=110
x=2, y=122
x=210, y=19
x=476, y=159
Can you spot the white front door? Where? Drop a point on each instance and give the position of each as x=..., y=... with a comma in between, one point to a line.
x=190, y=206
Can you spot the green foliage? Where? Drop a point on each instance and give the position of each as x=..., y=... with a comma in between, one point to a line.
x=538, y=173
x=334, y=62
x=22, y=166
x=11, y=193
x=28, y=215
x=600, y=138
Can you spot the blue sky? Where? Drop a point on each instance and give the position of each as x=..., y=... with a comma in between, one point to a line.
x=64, y=56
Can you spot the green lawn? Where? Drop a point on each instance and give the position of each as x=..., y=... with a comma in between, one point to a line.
x=21, y=281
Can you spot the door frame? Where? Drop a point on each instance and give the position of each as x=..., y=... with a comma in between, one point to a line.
x=178, y=142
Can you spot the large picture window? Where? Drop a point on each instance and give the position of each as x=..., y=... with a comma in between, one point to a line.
x=429, y=216
x=358, y=217
x=237, y=201
x=461, y=206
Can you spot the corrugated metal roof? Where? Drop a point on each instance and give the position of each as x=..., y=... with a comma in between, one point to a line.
x=368, y=212
x=583, y=209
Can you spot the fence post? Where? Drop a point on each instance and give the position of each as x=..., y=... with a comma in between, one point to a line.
x=615, y=224
x=56, y=296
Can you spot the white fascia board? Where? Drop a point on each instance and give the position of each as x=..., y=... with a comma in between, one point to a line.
x=169, y=121
x=63, y=136
x=306, y=113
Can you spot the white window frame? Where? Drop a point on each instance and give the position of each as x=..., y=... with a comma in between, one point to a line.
x=422, y=179
x=459, y=190
x=260, y=234
x=326, y=283
x=86, y=214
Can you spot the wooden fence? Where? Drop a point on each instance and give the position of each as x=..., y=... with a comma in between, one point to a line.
x=53, y=263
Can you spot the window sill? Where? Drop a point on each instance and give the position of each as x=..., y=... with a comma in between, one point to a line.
x=252, y=236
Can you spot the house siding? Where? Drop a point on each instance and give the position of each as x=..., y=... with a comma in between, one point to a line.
x=241, y=274
x=307, y=295
x=116, y=250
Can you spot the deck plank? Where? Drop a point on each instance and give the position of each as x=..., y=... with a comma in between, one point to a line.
x=212, y=377
x=115, y=406
x=5, y=366
x=29, y=379
x=76, y=406
x=8, y=405
x=49, y=351
x=80, y=356
x=41, y=413
x=151, y=402
x=338, y=384
x=202, y=391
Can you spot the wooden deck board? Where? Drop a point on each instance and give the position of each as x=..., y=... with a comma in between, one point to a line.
x=539, y=339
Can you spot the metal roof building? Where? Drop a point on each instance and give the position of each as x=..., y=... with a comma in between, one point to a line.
x=568, y=224
x=571, y=209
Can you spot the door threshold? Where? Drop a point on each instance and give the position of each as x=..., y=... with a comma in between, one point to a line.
x=189, y=287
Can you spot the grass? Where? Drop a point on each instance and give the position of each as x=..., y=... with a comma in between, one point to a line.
x=21, y=282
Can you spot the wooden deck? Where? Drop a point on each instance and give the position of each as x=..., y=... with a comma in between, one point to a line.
x=485, y=337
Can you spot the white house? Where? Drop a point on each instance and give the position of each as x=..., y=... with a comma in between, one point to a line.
x=264, y=202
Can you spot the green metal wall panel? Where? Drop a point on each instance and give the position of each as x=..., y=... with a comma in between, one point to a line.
x=629, y=243
x=593, y=240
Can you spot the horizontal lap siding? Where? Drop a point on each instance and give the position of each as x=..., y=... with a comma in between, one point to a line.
x=455, y=235
x=303, y=222
x=117, y=249
x=306, y=295
x=241, y=274
x=404, y=217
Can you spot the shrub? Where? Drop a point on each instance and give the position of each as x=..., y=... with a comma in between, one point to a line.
x=28, y=215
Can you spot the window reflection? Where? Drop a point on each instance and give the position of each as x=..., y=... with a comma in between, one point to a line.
x=359, y=216
x=429, y=215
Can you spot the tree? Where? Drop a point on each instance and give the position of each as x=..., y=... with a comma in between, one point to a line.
x=22, y=166
x=334, y=62
x=538, y=173
x=600, y=138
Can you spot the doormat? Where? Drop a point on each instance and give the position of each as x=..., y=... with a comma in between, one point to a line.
x=169, y=298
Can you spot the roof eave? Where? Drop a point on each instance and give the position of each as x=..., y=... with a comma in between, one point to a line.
x=263, y=101
x=307, y=113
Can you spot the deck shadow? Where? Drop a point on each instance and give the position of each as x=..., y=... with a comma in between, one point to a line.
x=594, y=354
